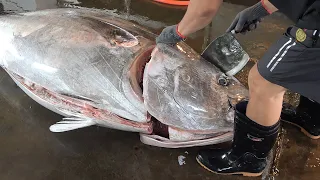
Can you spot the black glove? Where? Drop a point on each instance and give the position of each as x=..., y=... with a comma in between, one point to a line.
x=248, y=19
x=170, y=35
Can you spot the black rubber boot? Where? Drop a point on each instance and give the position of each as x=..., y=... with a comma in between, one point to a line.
x=250, y=148
x=306, y=116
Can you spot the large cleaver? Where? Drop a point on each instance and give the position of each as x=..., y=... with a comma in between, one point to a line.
x=226, y=53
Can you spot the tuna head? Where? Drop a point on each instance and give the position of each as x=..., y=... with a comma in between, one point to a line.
x=182, y=90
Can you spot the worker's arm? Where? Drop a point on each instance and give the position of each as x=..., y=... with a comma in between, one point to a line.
x=199, y=14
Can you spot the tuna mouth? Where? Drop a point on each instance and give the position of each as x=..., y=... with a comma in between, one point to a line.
x=159, y=128
x=136, y=72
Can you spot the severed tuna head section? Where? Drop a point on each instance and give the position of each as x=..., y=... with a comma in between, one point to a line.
x=182, y=91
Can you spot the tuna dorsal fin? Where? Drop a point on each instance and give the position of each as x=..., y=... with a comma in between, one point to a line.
x=72, y=123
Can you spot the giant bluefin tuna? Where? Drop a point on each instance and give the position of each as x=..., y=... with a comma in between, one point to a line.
x=97, y=69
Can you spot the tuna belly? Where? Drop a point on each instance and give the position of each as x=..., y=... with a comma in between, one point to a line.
x=76, y=110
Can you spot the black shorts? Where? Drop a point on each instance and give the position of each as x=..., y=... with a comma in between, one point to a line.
x=293, y=64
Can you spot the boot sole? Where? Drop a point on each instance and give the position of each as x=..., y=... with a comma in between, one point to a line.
x=302, y=130
x=236, y=173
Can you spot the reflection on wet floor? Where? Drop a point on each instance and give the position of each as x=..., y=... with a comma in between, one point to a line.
x=30, y=151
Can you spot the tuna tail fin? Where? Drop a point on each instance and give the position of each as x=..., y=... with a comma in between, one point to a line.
x=71, y=123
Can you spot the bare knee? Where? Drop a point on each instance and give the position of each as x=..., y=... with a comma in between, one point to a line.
x=265, y=99
x=261, y=88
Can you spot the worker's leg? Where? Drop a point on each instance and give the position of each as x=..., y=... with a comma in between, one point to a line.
x=254, y=134
x=297, y=67
x=266, y=99
x=287, y=64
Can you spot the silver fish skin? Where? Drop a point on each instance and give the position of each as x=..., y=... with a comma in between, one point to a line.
x=82, y=53
x=89, y=67
x=181, y=89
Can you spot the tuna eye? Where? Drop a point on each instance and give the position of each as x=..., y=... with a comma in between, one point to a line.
x=223, y=80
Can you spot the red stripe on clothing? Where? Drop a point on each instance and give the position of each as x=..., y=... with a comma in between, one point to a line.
x=182, y=36
x=264, y=5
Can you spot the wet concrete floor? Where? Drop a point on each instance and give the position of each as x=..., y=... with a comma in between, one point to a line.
x=28, y=150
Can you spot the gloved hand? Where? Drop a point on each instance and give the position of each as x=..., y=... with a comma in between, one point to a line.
x=248, y=19
x=170, y=35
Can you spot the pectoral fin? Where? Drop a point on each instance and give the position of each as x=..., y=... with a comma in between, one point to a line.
x=72, y=123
